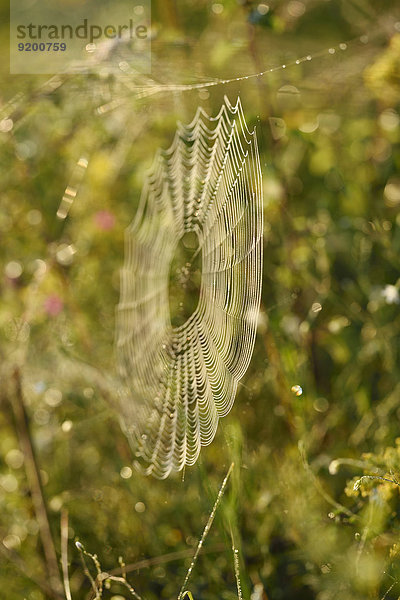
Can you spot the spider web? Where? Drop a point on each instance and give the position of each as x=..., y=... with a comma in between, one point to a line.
x=178, y=381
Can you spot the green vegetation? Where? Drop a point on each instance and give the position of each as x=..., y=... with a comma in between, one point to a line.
x=313, y=502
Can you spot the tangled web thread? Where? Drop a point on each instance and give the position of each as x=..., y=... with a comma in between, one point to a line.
x=178, y=381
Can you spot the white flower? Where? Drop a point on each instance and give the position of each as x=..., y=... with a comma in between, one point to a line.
x=391, y=294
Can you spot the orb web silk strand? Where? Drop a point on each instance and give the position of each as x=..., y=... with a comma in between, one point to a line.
x=178, y=381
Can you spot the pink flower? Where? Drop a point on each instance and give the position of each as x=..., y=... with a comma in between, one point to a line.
x=53, y=305
x=104, y=220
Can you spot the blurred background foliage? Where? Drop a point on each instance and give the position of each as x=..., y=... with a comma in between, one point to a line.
x=319, y=405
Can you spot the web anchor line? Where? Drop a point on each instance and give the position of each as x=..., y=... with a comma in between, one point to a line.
x=12, y=109
x=144, y=91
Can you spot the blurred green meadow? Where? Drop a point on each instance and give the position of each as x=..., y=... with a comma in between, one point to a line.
x=319, y=406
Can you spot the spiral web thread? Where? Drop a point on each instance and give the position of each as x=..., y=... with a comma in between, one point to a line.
x=178, y=381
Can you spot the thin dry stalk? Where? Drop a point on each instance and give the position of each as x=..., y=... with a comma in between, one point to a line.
x=205, y=532
x=165, y=558
x=35, y=483
x=64, y=553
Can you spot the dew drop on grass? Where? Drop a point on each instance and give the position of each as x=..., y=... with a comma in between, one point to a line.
x=297, y=390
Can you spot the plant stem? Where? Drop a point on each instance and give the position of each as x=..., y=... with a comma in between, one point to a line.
x=35, y=483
